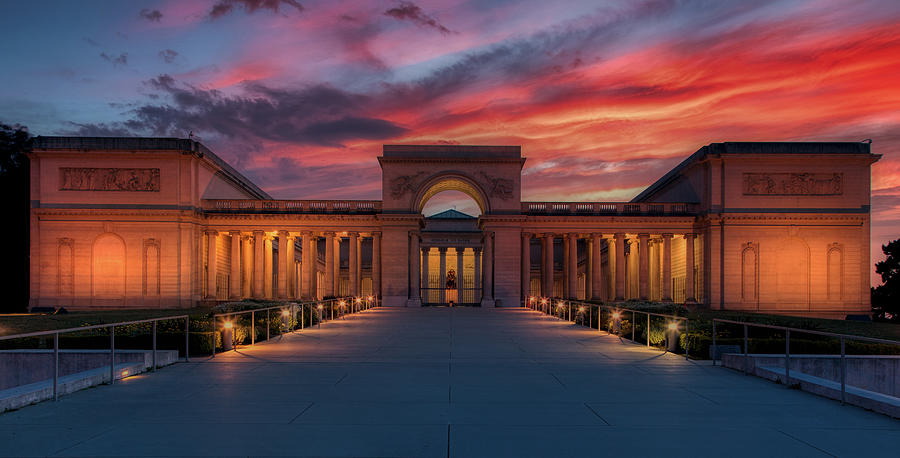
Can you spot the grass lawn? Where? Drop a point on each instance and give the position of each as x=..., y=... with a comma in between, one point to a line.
x=23, y=323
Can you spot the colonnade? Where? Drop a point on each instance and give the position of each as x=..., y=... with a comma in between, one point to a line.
x=254, y=273
x=483, y=265
x=608, y=252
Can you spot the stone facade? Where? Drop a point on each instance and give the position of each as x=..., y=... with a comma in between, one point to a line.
x=144, y=222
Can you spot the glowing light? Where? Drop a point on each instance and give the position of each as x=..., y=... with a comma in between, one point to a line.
x=342, y=303
x=581, y=309
x=616, y=315
x=531, y=299
x=228, y=325
x=285, y=313
x=543, y=301
x=358, y=300
x=673, y=326
x=125, y=373
x=369, y=298
x=320, y=307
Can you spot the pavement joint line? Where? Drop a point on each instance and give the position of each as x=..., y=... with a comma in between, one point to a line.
x=699, y=395
x=302, y=412
x=597, y=414
x=341, y=379
x=805, y=443
x=84, y=440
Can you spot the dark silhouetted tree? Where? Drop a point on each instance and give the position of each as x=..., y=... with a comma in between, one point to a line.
x=15, y=142
x=886, y=297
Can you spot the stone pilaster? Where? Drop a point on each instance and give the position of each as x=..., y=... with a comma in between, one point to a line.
x=620, y=266
x=234, y=281
x=596, y=267
x=644, y=266
x=667, y=267
x=211, y=265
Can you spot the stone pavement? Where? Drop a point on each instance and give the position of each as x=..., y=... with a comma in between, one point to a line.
x=446, y=382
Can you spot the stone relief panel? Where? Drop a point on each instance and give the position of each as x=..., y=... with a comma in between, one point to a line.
x=498, y=187
x=403, y=184
x=108, y=179
x=793, y=184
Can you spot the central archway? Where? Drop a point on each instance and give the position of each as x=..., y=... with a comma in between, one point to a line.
x=450, y=182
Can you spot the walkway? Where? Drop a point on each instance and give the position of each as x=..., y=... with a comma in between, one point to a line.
x=438, y=382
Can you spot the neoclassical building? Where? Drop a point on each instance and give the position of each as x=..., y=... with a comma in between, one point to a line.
x=164, y=222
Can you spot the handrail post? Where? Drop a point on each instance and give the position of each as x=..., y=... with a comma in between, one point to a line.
x=268, y=314
x=687, y=338
x=715, y=349
x=746, y=351
x=787, y=358
x=154, y=346
x=843, y=372
x=187, y=325
x=214, y=336
x=648, y=330
x=253, y=327
x=112, y=354
x=632, y=325
x=55, y=366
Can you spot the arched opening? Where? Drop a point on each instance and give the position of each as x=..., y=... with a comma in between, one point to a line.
x=108, y=267
x=457, y=184
x=451, y=200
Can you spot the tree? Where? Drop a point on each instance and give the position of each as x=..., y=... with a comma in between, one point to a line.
x=886, y=297
x=15, y=143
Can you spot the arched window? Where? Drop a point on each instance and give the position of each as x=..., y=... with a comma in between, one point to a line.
x=108, y=267
x=749, y=274
x=835, y=270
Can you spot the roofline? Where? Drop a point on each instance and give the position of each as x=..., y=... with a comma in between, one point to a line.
x=148, y=144
x=732, y=148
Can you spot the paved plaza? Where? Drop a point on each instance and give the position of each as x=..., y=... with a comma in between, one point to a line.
x=446, y=382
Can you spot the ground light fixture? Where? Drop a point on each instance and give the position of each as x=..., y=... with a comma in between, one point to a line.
x=228, y=325
x=285, y=313
x=673, y=326
x=543, y=301
x=320, y=307
x=616, y=315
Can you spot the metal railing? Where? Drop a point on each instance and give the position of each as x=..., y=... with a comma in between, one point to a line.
x=609, y=208
x=112, y=343
x=319, y=312
x=573, y=310
x=842, y=338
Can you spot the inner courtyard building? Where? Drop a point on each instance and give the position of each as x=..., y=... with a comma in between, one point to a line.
x=778, y=227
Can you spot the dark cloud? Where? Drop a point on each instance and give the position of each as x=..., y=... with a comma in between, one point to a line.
x=288, y=178
x=224, y=7
x=168, y=55
x=121, y=59
x=410, y=11
x=317, y=115
x=151, y=15
x=97, y=130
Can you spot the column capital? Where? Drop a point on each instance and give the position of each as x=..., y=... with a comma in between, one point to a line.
x=476, y=250
x=376, y=233
x=234, y=233
x=573, y=235
x=619, y=235
x=258, y=233
x=211, y=232
x=284, y=233
x=352, y=234
x=527, y=235
x=666, y=235
x=643, y=236
x=690, y=235
x=442, y=249
x=329, y=233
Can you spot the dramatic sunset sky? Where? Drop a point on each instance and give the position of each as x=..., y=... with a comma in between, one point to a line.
x=604, y=97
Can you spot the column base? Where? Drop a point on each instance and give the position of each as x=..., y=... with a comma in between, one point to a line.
x=413, y=303
x=488, y=303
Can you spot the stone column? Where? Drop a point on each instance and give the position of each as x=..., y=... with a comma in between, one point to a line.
x=667, y=267
x=477, y=253
x=290, y=269
x=526, y=265
x=572, y=274
x=282, y=286
x=337, y=266
x=329, y=264
x=234, y=281
x=415, y=299
x=620, y=266
x=313, y=246
x=689, y=267
x=565, y=266
x=211, y=237
x=259, y=259
x=547, y=269
x=268, y=275
x=352, y=265
x=247, y=267
x=376, y=264
x=305, y=265
x=459, y=274
x=442, y=275
x=644, y=266
x=487, y=295
x=588, y=268
x=596, y=267
x=426, y=293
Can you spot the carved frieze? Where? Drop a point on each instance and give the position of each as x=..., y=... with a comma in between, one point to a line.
x=793, y=184
x=403, y=184
x=108, y=179
x=498, y=187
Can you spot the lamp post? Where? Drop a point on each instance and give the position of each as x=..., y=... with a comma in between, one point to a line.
x=227, y=336
x=319, y=309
